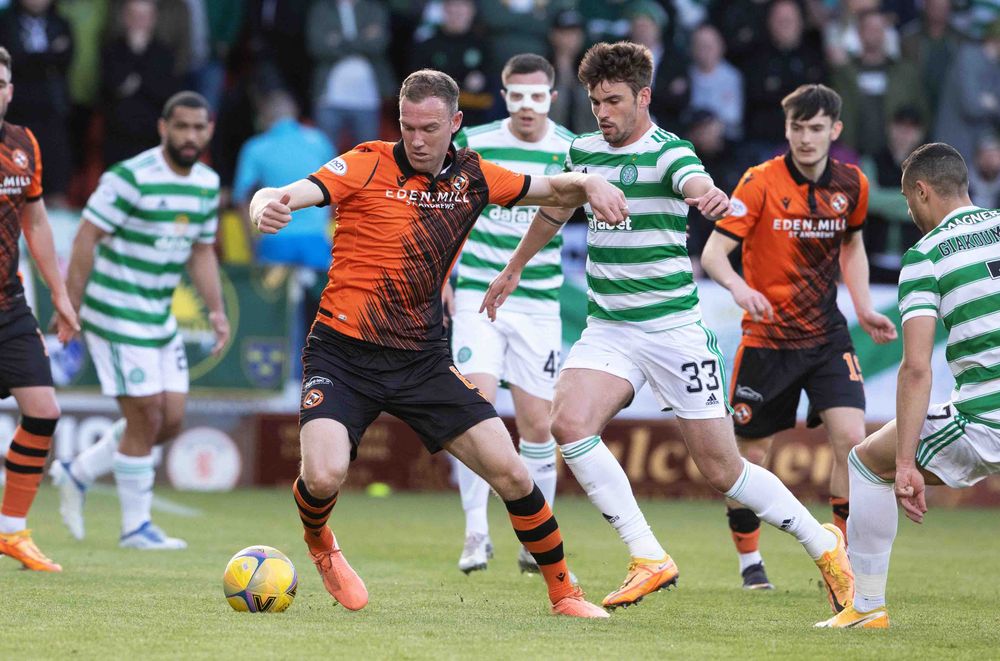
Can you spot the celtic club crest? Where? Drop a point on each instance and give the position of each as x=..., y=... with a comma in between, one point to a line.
x=629, y=174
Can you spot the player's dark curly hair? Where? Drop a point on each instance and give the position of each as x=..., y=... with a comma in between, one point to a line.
x=940, y=166
x=426, y=83
x=5, y=60
x=622, y=62
x=807, y=101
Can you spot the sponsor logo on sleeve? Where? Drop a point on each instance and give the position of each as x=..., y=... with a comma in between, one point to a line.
x=338, y=166
x=737, y=207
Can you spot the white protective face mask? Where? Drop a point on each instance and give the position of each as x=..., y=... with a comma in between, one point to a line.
x=541, y=107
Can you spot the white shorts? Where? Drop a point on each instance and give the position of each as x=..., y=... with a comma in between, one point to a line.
x=133, y=371
x=955, y=449
x=518, y=348
x=683, y=365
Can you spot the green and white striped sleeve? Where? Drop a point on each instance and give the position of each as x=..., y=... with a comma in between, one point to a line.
x=211, y=226
x=680, y=164
x=919, y=294
x=111, y=203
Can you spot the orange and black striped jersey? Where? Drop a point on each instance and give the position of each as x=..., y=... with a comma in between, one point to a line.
x=792, y=229
x=20, y=183
x=398, y=235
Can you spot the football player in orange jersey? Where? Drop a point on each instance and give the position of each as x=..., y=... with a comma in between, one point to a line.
x=25, y=372
x=799, y=218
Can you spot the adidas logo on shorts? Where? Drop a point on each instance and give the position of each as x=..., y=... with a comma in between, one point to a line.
x=712, y=400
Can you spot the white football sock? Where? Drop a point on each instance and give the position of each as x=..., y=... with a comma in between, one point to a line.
x=9, y=524
x=134, y=478
x=97, y=460
x=750, y=559
x=871, y=529
x=475, y=496
x=608, y=488
x=761, y=491
x=540, y=458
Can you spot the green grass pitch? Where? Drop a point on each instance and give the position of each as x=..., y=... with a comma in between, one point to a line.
x=113, y=603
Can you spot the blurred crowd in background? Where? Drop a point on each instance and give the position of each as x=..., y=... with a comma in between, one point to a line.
x=293, y=82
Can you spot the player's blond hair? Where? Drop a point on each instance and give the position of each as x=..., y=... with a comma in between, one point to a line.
x=427, y=83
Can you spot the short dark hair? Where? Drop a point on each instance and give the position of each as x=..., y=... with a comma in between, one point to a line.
x=427, y=83
x=528, y=63
x=807, y=101
x=940, y=166
x=5, y=60
x=621, y=62
x=185, y=99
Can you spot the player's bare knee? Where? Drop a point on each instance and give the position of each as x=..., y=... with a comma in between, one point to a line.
x=324, y=481
x=536, y=431
x=44, y=410
x=845, y=441
x=721, y=477
x=169, y=429
x=148, y=417
x=513, y=483
x=567, y=428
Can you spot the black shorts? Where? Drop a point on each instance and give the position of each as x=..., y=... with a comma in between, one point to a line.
x=24, y=361
x=352, y=382
x=767, y=384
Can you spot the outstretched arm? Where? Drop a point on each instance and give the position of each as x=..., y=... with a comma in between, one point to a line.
x=271, y=208
x=38, y=235
x=702, y=193
x=854, y=267
x=570, y=190
x=545, y=225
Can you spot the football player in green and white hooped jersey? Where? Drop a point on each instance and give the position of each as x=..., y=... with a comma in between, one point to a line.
x=953, y=275
x=523, y=347
x=644, y=325
x=149, y=217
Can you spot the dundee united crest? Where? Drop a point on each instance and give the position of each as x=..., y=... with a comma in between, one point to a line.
x=312, y=399
x=742, y=413
x=839, y=202
x=20, y=158
x=629, y=174
x=459, y=183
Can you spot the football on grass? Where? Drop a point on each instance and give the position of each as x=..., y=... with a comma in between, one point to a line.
x=260, y=579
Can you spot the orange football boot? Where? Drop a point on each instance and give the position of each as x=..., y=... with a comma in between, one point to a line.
x=877, y=618
x=644, y=577
x=21, y=547
x=837, y=574
x=574, y=605
x=339, y=579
